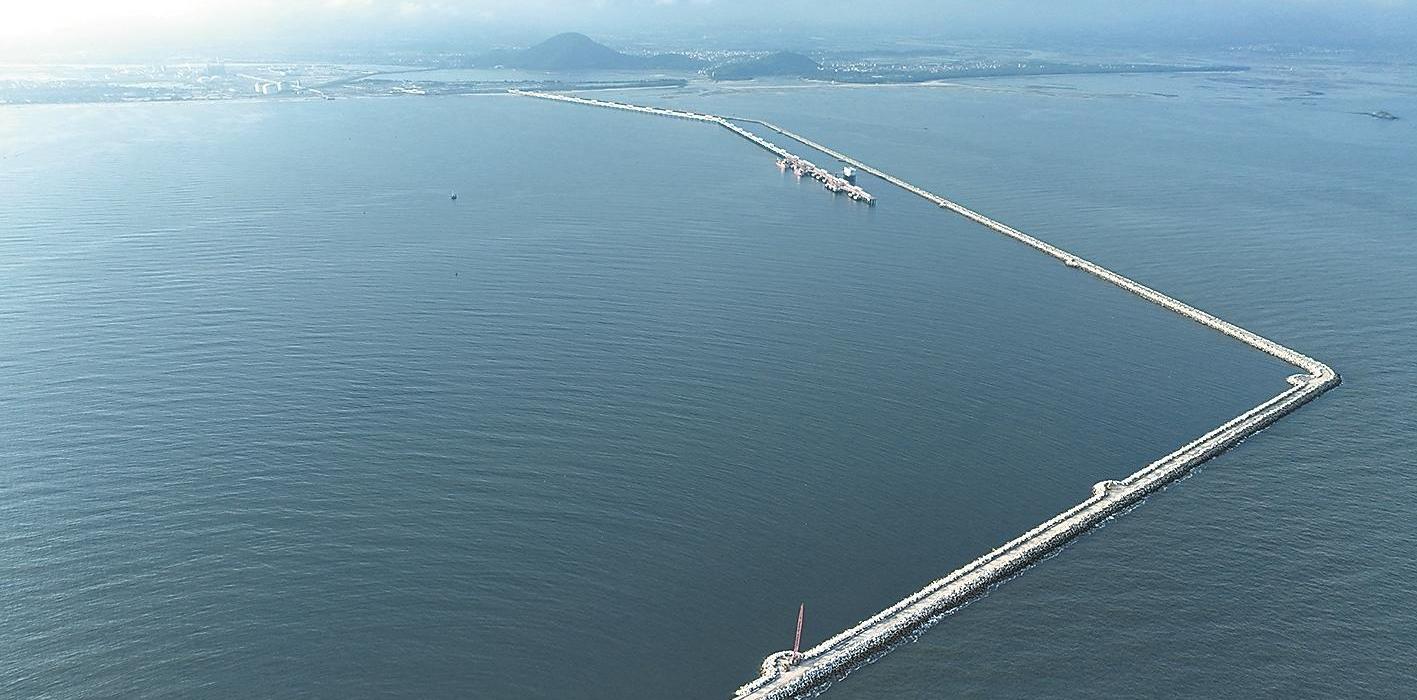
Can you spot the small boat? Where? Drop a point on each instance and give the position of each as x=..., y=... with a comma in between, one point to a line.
x=453, y=195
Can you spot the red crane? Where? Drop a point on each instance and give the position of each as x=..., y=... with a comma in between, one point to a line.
x=797, y=643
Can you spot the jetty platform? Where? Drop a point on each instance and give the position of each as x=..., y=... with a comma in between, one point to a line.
x=784, y=674
x=786, y=160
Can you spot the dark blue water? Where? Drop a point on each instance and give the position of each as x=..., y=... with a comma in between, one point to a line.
x=1285, y=568
x=283, y=420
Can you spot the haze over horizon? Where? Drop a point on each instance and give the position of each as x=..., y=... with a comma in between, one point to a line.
x=95, y=29
x=708, y=349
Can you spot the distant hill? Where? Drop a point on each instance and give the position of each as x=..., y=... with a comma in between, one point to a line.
x=783, y=63
x=572, y=51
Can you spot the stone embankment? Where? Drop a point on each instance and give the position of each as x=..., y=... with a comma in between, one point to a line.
x=784, y=675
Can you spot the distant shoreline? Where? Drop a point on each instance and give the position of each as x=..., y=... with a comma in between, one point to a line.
x=377, y=88
x=924, y=77
x=373, y=84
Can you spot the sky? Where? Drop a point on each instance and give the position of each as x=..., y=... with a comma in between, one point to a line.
x=93, y=25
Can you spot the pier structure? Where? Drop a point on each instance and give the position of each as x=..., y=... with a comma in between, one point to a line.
x=834, y=183
x=787, y=674
x=800, y=166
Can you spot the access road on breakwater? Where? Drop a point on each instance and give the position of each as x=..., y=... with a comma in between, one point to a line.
x=785, y=675
x=801, y=166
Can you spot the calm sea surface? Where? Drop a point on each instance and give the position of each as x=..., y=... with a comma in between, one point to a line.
x=280, y=419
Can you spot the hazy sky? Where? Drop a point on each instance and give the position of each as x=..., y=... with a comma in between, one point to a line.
x=42, y=25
